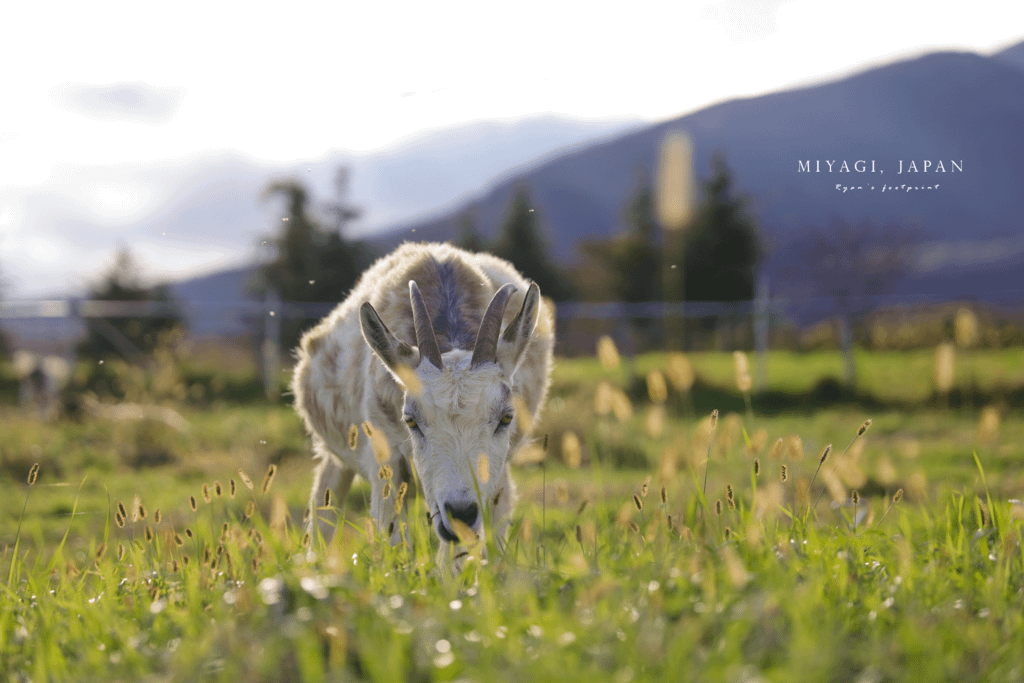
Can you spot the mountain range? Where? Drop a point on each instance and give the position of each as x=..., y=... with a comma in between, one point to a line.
x=961, y=110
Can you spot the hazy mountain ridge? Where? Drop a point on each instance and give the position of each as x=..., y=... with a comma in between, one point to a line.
x=940, y=106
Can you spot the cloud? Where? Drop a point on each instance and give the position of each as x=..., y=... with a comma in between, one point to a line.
x=135, y=102
x=745, y=20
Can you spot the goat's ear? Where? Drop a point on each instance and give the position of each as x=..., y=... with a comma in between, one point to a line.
x=393, y=351
x=513, y=342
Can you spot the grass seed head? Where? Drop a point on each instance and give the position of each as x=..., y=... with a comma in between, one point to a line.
x=466, y=535
x=718, y=506
x=379, y=442
x=965, y=327
x=306, y=514
x=714, y=420
x=644, y=486
x=824, y=454
x=794, y=448
x=410, y=380
x=572, y=454
x=218, y=490
x=855, y=497
x=33, y=474
x=245, y=479
x=621, y=405
x=101, y=550
x=634, y=527
x=776, y=452
x=757, y=467
x=149, y=534
x=141, y=511
x=664, y=496
x=206, y=493
x=729, y=496
x=943, y=366
x=523, y=414
x=483, y=468
x=353, y=437
x=268, y=479
x=121, y=510
x=607, y=353
x=385, y=473
x=120, y=551
x=896, y=496
x=864, y=427
x=387, y=489
x=178, y=540
x=400, y=497
x=579, y=534
x=327, y=498
x=638, y=502
x=783, y=473
x=231, y=487
x=188, y=532
x=119, y=520
x=743, y=382
x=157, y=517
x=657, y=389
x=988, y=425
x=250, y=509
x=192, y=503
x=680, y=372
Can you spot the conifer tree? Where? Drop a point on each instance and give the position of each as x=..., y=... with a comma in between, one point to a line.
x=521, y=242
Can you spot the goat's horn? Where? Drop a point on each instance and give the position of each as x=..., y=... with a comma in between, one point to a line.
x=425, y=339
x=486, y=348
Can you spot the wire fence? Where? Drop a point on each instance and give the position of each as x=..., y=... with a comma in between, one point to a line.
x=634, y=326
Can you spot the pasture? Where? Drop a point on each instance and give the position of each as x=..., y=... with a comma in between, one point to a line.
x=141, y=550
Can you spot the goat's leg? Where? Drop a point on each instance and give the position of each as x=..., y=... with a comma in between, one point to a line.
x=331, y=474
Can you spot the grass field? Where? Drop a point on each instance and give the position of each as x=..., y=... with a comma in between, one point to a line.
x=618, y=567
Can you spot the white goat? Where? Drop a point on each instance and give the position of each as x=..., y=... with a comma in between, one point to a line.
x=457, y=403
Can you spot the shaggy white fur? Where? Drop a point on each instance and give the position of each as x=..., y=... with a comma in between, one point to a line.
x=415, y=350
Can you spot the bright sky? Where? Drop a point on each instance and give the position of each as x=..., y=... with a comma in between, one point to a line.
x=290, y=81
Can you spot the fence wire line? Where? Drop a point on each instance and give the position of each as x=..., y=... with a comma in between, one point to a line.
x=85, y=308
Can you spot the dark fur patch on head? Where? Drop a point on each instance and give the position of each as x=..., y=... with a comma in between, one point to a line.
x=454, y=300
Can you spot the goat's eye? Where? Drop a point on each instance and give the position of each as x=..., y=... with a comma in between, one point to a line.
x=505, y=420
x=411, y=421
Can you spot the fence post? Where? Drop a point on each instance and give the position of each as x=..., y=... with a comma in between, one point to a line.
x=761, y=333
x=271, y=348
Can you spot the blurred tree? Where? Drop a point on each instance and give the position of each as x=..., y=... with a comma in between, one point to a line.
x=126, y=336
x=311, y=262
x=469, y=239
x=722, y=248
x=521, y=242
x=628, y=267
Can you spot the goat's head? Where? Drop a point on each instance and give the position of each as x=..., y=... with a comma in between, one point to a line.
x=460, y=407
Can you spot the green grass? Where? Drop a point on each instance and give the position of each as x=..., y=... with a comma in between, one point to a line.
x=772, y=588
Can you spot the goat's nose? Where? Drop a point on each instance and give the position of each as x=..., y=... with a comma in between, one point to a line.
x=466, y=513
